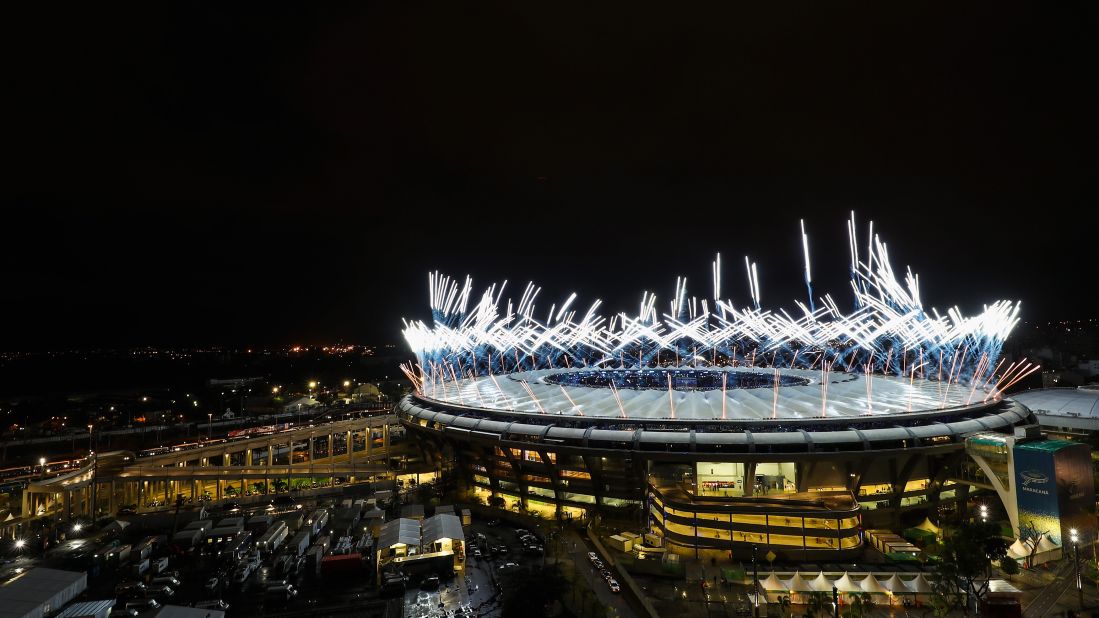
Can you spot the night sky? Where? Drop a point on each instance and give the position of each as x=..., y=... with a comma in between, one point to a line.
x=208, y=174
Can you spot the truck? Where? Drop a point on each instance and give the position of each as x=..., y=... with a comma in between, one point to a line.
x=141, y=567
x=345, y=565
x=188, y=538
x=258, y=524
x=299, y=543
x=313, y=557
x=317, y=520
x=238, y=546
x=273, y=538
x=119, y=555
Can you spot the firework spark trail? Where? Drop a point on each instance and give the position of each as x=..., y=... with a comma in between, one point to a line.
x=774, y=395
x=618, y=398
x=538, y=404
x=574, y=406
x=888, y=316
x=724, y=384
x=671, y=394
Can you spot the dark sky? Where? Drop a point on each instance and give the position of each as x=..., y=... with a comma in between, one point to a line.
x=211, y=174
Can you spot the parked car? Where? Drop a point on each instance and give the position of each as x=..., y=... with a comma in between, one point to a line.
x=143, y=605
x=159, y=591
x=123, y=612
x=166, y=580
x=592, y=557
x=130, y=590
x=217, y=604
x=430, y=582
x=493, y=522
x=613, y=583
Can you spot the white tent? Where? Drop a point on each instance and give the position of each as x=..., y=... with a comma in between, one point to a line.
x=919, y=585
x=797, y=583
x=844, y=584
x=872, y=585
x=896, y=585
x=773, y=583
x=821, y=583
x=1047, y=544
x=930, y=527
x=1018, y=550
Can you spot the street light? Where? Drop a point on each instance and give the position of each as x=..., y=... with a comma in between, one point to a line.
x=90, y=449
x=1076, y=558
x=210, y=426
x=984, y=513
x=19, y=543
x=42, y=466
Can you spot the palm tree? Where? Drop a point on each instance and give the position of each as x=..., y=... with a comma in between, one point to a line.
x=858, y=604
x=784, y=605
x=818, y=603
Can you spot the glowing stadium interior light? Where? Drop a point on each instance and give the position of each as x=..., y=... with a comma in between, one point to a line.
x=888, y=332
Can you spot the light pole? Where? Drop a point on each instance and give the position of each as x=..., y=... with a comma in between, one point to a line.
x=210, y=426
x=1076, y=558
x=42, y=466
x=90, y=449
x=755, y=580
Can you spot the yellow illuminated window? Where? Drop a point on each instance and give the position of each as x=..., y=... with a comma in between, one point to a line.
x=573, y=474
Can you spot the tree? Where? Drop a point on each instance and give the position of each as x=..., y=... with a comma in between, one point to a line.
x=784, y=606
x=496, y=502
x=1031, y=537
x=858, y=604
x=819, y=602
x=967, y=558
x=1009, y=566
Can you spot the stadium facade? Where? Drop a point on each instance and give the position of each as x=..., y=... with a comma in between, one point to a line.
x=719, y=427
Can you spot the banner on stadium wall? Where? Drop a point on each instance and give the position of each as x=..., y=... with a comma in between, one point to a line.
x=1036, y=490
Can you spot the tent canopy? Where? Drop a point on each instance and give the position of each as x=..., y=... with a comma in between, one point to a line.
x=1047, y=544
x=896, y=584
x=872, y=585
x=919, y=585
x=844, y=584
x=930, y=527
x=773, y=583
x=798, y=583
x=821, y=583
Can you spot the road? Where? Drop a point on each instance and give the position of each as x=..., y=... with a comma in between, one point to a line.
x=1049, y=595
x=576, y=549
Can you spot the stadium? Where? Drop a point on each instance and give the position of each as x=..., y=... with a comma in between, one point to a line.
x=716, y=426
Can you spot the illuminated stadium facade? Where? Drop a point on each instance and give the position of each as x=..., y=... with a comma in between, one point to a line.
x=718, y=426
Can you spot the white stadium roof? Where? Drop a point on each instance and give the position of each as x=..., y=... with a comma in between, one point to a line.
x=1076, y=408
x=846, y=395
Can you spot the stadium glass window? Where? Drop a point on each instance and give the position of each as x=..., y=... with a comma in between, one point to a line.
x=916, y=485
x=573, y=474
x=719, y=478
x=541, y=491
x=776, y=478
x=483, y=480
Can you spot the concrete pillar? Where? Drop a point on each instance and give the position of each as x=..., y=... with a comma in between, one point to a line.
x=369, y=440
x=66, y=513
x=310, y=454
x=351, y=448
x=248, y=457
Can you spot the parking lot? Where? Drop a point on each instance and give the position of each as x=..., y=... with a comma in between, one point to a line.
x=474, y=590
